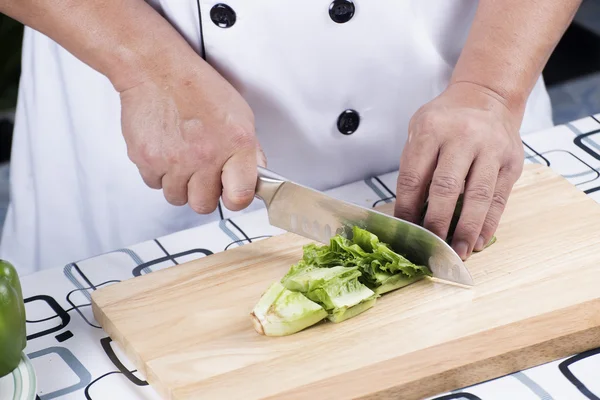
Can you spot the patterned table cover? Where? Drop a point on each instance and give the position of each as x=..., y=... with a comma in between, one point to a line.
x=75, y=359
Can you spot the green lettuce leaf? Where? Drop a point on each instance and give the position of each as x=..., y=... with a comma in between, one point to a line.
x=281, y=312
x=339, y=252
x=365, y=239
x=304, y=278
x=337, y=289
x=342, y=314
x=336, y=281
x=395, y=281
x=375, y=260
x=343, y=291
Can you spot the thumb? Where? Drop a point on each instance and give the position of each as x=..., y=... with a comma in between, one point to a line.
x=239, y=177
x=261, y=159
x=239, y=180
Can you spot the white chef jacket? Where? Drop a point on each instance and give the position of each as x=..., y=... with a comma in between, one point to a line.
x=332, y=83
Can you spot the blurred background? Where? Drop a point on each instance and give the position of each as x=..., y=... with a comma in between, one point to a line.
x=572, y=76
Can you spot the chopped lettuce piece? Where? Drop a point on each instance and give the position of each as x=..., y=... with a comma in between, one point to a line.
x=343, y=314
x=383, y=259
x=304, y=278
x=336, y=281
x=365, y=239
x=396, y=281
x=281, y=312
x=336, y=289
x=375, y=260
x=341, y=292
x=339, y=252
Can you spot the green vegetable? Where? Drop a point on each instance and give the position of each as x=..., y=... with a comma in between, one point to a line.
x=13, y=337
x=336, y=281
x=336, y=289
x=377, y=262
x=304, y=278
x=395, y=281
x=381, y=263
x=342, y=314
x=281, y=312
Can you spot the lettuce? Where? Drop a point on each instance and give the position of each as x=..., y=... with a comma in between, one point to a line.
x=376, y=261
x=336, y=281
x=281, y=312
x=337, y=289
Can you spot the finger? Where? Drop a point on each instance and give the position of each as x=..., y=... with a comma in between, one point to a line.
x=204, y=189
x=479, y=189
x=504, y=185
x=417, y=164
x=175, y=187
x=446, y=184
x=150, y=178
x=239, y=179
x=260, y=157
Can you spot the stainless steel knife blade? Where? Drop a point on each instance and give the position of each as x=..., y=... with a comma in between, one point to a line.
x=317, y=216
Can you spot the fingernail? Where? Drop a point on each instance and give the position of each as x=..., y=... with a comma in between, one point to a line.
x=480, y=243
x=461, y=249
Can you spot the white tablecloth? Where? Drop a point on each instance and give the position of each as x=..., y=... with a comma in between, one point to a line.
x=75, y=359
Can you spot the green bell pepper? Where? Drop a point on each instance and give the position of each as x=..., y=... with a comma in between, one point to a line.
x=13, y=336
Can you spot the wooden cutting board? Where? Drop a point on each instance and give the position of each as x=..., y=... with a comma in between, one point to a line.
x=536, y=299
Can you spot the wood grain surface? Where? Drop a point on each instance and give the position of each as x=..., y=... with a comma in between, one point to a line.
x=536, y=299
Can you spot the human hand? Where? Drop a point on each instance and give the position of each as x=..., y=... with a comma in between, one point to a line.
x=464, y=139
x=191, y=133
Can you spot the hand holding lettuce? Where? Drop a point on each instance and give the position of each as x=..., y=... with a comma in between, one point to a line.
x=13, y=337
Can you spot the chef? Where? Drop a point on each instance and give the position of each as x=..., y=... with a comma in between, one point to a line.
x=134, y=118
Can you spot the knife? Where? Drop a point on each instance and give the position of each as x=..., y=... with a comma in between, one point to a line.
x=317, y=216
